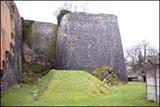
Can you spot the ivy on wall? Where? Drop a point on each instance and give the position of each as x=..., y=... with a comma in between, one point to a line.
x=27, y=32
x=51, y=49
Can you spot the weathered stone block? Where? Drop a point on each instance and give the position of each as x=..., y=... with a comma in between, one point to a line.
x=12, y=45
x=39, y=42
x=87, y=41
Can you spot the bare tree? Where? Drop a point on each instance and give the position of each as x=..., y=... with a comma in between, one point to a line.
x=72, y=6
x=84, y=7
x=151, y=51
x=143, y=45
x=139, y=53
x=132, y=53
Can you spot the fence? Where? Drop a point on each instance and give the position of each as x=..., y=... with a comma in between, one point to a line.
x=152, y=85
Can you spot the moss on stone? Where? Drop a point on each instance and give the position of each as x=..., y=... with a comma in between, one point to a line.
x=51, y=49
x=27, y=32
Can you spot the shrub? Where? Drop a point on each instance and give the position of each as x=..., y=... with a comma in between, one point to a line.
x=33, y=72
x=100, y=72
x=106, y=74
x=61, y=14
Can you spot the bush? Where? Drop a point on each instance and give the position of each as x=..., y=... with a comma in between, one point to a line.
x=32, y=73
x=106, y=74
x=61, y=14
x=101, y=71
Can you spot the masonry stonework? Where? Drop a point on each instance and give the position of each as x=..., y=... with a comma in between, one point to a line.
x=11, y=45
x=83, y=42
x=43, y=40
x=87, y=41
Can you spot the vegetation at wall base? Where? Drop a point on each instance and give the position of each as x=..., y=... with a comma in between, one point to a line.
x=32, y=73
x=75, y=88
x=106, y=74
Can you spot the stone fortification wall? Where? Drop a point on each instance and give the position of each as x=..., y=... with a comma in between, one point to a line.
x=39, y=42
x=87, y=41
x=11, y=44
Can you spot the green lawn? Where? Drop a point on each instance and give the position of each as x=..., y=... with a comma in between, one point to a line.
x=71, y=88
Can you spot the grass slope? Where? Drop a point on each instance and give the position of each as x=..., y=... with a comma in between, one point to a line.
x=76, y=88
x=70, y=85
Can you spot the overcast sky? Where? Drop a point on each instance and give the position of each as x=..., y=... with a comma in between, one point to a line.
x=138, y=20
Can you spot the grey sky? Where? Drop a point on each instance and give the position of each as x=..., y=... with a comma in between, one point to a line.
x=138, y=20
